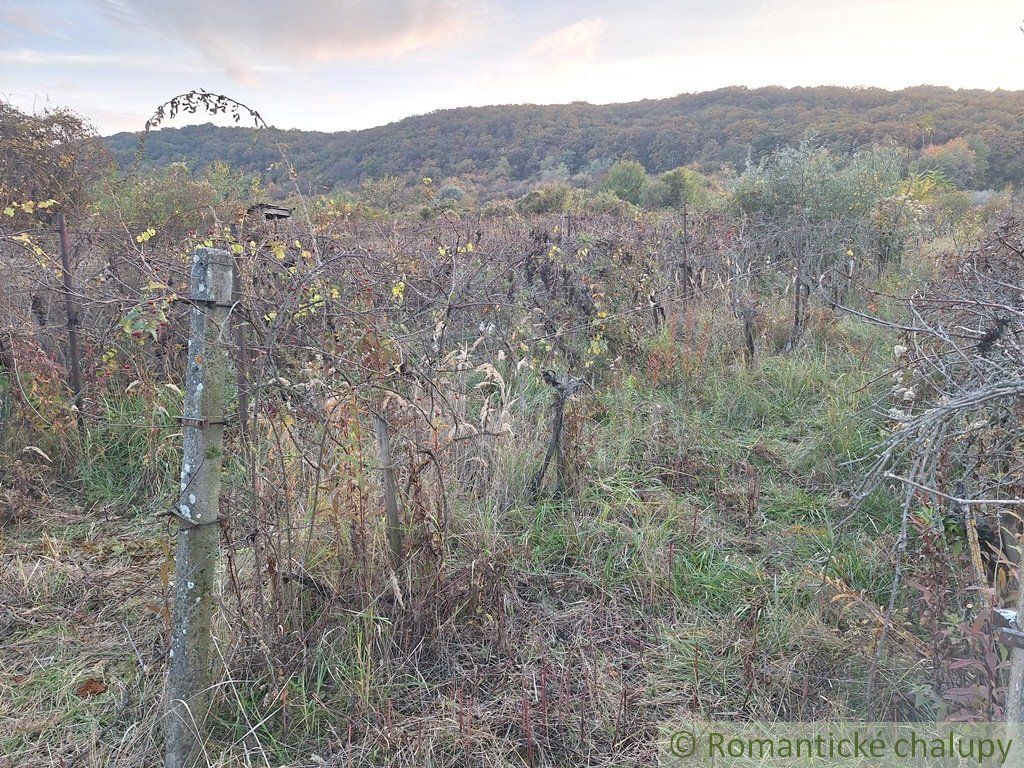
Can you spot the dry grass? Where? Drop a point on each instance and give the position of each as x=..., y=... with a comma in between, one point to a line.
x=561, y=633
x=696, y=566
x=560, y=674
x=83, y=602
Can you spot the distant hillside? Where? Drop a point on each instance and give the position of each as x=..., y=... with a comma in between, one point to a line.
x=505, y=144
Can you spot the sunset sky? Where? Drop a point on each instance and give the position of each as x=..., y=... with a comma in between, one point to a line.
x=340, y=64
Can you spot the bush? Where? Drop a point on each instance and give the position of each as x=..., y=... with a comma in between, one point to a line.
x=627, y=180
x=657, y=194
x=605, y=202
x=450, y=193
x=550, y=198
x=687, y=186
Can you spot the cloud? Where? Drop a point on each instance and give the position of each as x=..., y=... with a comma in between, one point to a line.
x=553, y=68
x=26, y=23
x=241, y=35
x=569, y=47
x=35, y=57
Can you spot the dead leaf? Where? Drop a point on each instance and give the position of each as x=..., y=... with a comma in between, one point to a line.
x=90, y=687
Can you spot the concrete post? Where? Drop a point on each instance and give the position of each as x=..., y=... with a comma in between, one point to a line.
x=198, y=507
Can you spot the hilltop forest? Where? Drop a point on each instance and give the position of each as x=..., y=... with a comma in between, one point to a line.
x=496, y=149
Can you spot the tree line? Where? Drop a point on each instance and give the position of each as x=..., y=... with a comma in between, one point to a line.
x=977, y=133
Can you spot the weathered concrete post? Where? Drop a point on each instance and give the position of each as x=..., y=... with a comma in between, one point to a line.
x=198, y=512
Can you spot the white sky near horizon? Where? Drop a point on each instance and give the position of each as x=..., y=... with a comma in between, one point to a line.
x=342, y=64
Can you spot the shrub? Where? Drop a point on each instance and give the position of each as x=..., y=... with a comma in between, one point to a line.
x=550, y=198
x=627, y=180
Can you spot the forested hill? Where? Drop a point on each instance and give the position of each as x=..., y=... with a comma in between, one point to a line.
x=505, y=144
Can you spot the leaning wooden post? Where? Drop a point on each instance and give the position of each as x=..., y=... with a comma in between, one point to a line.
x=394, y=522
x=71, y=310
x=198, y=506
x=565, y=387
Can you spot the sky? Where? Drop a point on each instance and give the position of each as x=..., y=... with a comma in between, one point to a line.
x=343, y=64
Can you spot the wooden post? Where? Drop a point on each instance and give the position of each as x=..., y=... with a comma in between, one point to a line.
x=565, y=386
x=686, y=254
x=394, y=522
x=71, y=310
x=198, y=512
x=241, y=349
x=801, y=296
x=748, y=335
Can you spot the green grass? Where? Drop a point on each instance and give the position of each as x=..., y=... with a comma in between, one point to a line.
x=713, y=582
x=126, y=456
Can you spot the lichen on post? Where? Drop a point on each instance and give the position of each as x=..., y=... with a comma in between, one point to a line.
x=197, y=510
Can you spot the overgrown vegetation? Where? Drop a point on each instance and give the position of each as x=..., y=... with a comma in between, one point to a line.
x=714, y=549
